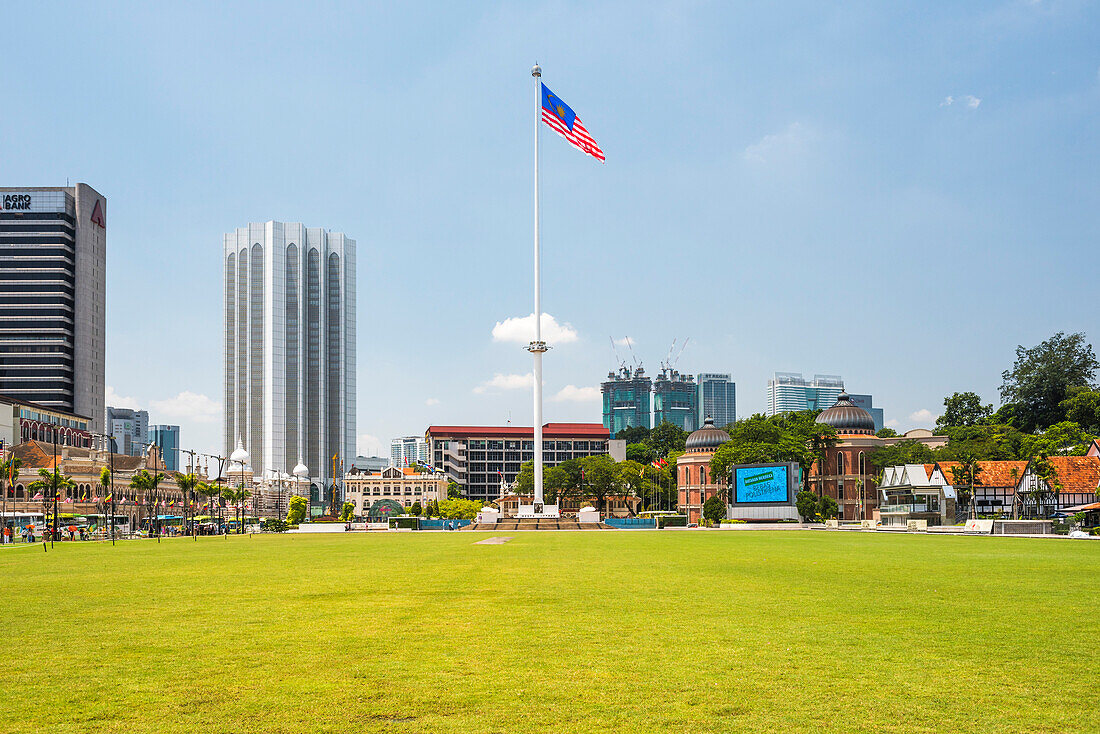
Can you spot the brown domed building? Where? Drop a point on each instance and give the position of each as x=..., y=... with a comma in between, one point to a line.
x=848, y=476
x=693, y=477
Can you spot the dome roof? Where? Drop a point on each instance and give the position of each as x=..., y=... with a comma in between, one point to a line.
x=707, y=437
x=847, y=417
x=240, y=456
x=300, y=469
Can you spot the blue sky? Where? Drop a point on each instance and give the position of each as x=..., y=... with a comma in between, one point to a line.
x=899, y=193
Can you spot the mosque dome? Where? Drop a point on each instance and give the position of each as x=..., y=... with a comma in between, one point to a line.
x=706, y=438
x=847, y=417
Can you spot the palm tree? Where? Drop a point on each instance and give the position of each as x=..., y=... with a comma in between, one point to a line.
x=50, y=485
x=146, y=483
x=105, y=482
x=9, y=469
x=187, y=483
x=968, y=472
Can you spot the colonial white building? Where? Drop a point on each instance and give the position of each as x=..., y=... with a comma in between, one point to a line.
x=402, y=485
x=290, y=349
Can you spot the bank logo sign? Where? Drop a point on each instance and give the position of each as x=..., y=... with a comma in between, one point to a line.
x=16, y=203
x=97, y=214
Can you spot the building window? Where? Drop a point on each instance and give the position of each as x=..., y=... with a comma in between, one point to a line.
x=839, y=463
x=862, y=464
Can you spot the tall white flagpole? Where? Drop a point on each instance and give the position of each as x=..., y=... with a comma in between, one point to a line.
x=538, y=346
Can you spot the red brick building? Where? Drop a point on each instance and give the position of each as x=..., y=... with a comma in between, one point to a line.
x=693, y=476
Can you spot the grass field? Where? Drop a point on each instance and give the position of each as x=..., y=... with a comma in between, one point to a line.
x=553, y=632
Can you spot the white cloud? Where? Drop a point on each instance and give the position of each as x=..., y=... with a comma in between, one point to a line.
x=626, y=341
x=971, y=101
x=113, y=400
x=521, y=330
x=186, y=406
x=923, y=418
x=893, y=423
x=368, y=445
x=506, y=382
x=789, y=143
x=574, y=394
x=431, y=401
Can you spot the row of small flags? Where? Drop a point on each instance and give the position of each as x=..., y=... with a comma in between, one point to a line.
x=122, y=501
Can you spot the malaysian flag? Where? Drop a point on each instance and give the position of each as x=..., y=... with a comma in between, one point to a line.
x=564, y=121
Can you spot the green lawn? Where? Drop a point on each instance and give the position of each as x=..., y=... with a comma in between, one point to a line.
x=553, y=632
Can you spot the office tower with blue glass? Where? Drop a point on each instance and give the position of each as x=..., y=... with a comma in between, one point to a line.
x=717, y=398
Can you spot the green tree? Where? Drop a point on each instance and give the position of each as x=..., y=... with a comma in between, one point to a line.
x=1066, y=438
x=666, y=438
x=828, y=508
x=994, y=442
x=347, y=512
x=807, y=504
x=886, y=433
x=640, y=452
x=188, y=483
x=714, y=509
x=1042, y=376
x=600, y=478
x=1082, y=406
x=631, y=478
x=633, y=434
x=50, y=484
x=459, y=509
x=902, y=452
x=296, y=510
x=454, y=490
x=416, y=510
x=1048, y=485
x=964, y=477
x=761, y=439
x=964, y=409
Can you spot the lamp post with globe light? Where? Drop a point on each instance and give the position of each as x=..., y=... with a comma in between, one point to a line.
x=301, y=474
x=242, y=457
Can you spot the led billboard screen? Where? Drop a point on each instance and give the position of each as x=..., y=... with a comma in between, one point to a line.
x=760, y=484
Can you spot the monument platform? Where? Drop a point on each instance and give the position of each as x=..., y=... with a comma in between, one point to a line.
x=527, y=523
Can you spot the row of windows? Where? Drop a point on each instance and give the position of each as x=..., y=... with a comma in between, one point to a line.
x=59, y=288
x=44, y=227
x=52, y=371
x=60, y=310
x=31, y=216
x=45, y=240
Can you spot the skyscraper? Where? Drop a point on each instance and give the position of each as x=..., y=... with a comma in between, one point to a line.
x=53, y=283
x=789, y=392
x=409, y=450
x=129, y=428
x=674, y=399
x=717, y=398
x=290, y=349
x=625, y=399
x=167, y=439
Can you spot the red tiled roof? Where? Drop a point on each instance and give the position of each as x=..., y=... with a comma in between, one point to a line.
x=1077, y=473
x=549, y=431
x=993, y=473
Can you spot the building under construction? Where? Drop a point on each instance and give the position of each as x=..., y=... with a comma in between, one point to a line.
x=674, y=399
x=626, y=399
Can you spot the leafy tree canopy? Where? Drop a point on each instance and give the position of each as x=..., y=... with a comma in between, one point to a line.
x=667, y=437
x=633, y=434
x=1082, y=406
x=640, y=452
x=902, y=452
x=296, y=510
x=459, y=509
x=887, y=433
x=1042, y=377
x=964, y=409
x=785, y=437
x=714, y=509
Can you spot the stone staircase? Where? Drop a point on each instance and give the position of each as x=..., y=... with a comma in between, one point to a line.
x=512, y=524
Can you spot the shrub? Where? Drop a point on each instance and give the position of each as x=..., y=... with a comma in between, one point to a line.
x=275, y=525
x=714, y=509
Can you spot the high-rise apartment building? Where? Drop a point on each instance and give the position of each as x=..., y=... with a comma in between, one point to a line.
x=675, y=398
x=53, y=282
x=717, y=398
x=129, y=428
x=167, y=439
x=290, y=349
x=626, y=399
x=409, y=450
x=789, y=392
